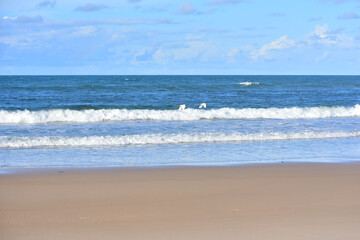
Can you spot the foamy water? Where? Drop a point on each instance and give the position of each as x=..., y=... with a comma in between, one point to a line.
x=90, y=116
x=146, y=139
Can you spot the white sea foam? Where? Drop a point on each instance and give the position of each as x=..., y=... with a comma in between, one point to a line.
x=146, y=139
x=248, y=83
x=90, y=116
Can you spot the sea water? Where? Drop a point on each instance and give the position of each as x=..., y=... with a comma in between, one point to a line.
x=86, y=121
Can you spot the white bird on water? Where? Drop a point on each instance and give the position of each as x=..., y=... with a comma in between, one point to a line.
x=203, y=105
x=182, y=107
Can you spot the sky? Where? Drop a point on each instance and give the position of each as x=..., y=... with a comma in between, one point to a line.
x=142, y=37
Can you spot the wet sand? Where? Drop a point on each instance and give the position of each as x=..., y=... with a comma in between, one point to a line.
x=274, y=201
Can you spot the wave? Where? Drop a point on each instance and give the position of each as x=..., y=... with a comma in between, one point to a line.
x=146, y=139
x=249, y=83
x=91, y=116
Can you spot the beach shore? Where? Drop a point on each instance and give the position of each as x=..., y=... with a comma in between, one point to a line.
x=271, y=201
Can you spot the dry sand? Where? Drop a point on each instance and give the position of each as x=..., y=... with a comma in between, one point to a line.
x=276, y=201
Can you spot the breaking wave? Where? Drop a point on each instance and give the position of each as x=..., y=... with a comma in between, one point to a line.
x=248, y=83
x=91, y=116
x=146, y=139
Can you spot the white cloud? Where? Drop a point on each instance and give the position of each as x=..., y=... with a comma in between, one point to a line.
x=9, y=18
x=321, y=35
x=23, y=19
x=281, y=43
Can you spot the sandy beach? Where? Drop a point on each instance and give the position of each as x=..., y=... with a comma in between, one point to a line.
x=274, y=201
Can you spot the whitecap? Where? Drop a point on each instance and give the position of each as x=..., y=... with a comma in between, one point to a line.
x=101, y=115
x=249, y=83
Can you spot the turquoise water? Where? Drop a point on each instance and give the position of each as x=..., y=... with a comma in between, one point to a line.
x=133, y=120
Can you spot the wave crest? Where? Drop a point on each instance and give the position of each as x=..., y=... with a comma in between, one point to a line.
x=147, y=139
x=91, y=116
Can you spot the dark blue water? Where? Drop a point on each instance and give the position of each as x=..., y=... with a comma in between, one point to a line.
x=122, y=120
x=167, y=92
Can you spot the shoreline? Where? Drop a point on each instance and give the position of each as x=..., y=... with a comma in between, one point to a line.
x=38, y=169
x=256, y=201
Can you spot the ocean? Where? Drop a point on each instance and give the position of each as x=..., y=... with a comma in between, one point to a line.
x=105, y=121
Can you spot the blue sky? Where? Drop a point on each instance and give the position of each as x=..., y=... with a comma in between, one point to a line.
x=179, y=37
